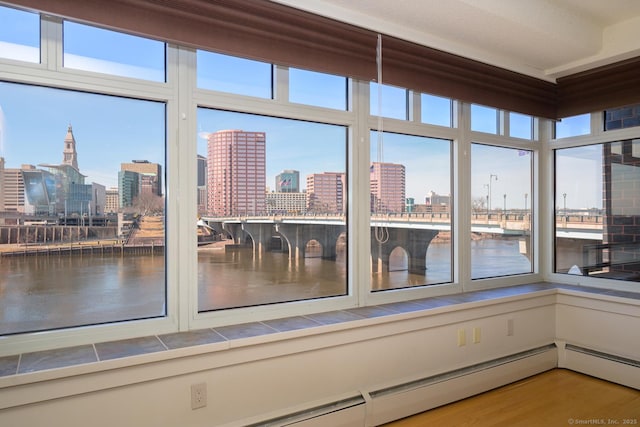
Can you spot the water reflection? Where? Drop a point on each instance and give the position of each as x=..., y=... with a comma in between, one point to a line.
x=38, y=293
x=50, y=292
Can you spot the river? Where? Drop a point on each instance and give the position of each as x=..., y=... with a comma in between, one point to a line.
x=49, y=292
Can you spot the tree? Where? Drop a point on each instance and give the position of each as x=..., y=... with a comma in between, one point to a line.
x=148, y=204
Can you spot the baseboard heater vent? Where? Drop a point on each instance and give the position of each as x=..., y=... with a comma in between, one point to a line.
x=601, y=355
x=378, y=406
x=427, y=381
x=311, y=413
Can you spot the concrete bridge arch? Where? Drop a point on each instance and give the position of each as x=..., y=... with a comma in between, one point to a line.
x=414, y=242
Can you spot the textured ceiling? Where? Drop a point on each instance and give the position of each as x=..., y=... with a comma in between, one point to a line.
x=542, y=38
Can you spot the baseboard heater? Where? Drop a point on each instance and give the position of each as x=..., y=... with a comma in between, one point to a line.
x=394, y=402
x=306, y=417
x=461, y=372
x=609, y=367
x=601, y=355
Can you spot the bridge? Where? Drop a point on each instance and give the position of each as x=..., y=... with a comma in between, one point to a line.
x=413, y=232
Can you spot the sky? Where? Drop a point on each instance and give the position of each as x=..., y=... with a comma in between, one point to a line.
x=111, y=130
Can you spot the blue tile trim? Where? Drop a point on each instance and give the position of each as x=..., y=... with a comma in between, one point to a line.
x=70, y=356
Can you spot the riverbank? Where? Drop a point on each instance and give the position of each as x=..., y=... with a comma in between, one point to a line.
x=101, y=247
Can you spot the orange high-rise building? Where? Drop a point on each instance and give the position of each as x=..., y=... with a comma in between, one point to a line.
x=236, y=173
x=388, y=182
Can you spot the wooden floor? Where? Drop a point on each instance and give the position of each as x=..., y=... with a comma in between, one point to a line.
x=555, y=398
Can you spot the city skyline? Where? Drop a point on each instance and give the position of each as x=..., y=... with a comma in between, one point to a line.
x=90, y=48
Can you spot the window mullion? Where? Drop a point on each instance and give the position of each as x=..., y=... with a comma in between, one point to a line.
x=51, y=42
x=181, y=172
x=462, y=196
x=359, y=195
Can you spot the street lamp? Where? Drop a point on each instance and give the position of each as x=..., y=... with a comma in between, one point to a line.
x=490, y=179
x=504, y=209
x=564, y=196
x=525, y=201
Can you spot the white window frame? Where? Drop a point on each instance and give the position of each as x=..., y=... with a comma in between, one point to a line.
x=183, y=97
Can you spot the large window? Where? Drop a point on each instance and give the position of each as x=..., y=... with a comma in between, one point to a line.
x=411, y=211
x=273, y=228
x=501, y=182
x=299, y=203
x=81, y=208
x=597, y=210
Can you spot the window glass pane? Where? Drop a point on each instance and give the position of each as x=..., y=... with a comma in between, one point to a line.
x=319, y=89
x=501, y=181
x=393, y=101
x=81, y=224
x=520, y=126
x=274, y=227
x=234, y=75
x=621, y=118
x=484, y=119
x=410, y=211
x=574, y=126
x=597, y=210
x=436, y=110
x=110, y=52
x=19, y=35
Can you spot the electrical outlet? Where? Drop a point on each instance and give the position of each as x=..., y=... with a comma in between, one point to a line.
x=462, y=337
x=476, y=335
x=198, y=395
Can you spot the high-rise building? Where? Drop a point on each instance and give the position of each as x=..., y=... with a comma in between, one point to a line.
x=202, y=170
x=12, y=190
x=112, y=201
x=1, y=177
x=286, y=203
x=288, y=181
x=153, y=183
x=99, y=199
x=387, y=183
x=236, y=173
x=72, y=195
x=202, y=184
x=325, y=192
x=128, y=187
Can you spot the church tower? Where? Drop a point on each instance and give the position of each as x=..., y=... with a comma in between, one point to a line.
x=69, y=152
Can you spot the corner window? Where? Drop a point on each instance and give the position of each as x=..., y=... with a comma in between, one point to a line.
x=82, y=209
x=501, y=182
x=597, y=210
x=411, y=211
x=19, y=35
x=103, y=51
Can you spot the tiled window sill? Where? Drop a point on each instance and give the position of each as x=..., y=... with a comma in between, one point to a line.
x=106, y=351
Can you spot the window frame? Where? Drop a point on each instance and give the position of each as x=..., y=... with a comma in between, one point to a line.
x=597, y=135
x=183, y=97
